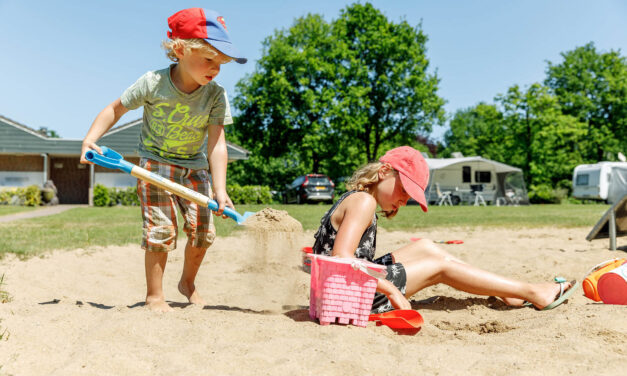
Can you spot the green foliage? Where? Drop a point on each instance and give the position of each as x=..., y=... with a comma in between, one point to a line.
x=592, y=87
x=104, y=196
x=545, y=194
x=101, y=195
x=578, y=116
x=327, y=97
x=26, y=196
x=249, y=194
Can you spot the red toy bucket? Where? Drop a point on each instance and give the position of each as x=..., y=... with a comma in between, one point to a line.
x=613, y=286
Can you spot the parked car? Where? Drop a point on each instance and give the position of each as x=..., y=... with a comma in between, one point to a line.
x=309, y=188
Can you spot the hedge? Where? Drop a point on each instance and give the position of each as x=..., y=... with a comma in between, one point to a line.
x=247, y=194
x=24, y=196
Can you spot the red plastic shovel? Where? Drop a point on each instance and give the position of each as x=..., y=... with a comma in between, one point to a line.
x=399, y=319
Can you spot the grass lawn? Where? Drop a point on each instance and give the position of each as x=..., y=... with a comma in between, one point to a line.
x=88, y=227
x=10, y=209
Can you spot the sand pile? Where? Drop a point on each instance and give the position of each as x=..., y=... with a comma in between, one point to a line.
x=272, y=220
x=276, y=237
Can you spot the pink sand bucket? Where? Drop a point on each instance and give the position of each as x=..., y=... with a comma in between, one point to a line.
x=342, y=289
x=613, y=286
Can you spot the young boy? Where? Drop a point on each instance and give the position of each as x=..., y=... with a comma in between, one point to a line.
x=182, y=135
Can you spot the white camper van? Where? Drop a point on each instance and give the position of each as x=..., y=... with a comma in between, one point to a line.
x=462, y=177
x=605, y=181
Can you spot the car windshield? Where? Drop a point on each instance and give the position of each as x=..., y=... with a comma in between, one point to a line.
x=318, y=180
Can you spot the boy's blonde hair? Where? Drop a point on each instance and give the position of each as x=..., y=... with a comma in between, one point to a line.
x=366, y=178
x=188, y=46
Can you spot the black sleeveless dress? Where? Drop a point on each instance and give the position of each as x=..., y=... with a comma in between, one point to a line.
x=325, y=238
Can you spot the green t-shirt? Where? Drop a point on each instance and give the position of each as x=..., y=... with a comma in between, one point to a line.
x=175, y=123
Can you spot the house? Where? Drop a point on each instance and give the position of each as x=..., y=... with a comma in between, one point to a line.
x=29, y=158
x=463, y=176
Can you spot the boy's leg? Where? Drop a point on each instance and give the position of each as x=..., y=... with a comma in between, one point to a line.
x=200, y=233
x=193, y=259
x=155, y=266
x=159, y=230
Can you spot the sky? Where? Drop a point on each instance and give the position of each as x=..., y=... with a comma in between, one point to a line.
x=64, y=61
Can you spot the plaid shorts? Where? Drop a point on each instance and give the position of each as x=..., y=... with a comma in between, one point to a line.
x=159, y=208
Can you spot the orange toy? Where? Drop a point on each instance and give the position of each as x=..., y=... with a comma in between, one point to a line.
x=592, y=277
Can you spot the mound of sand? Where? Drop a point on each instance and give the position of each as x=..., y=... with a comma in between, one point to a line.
x=272, y=220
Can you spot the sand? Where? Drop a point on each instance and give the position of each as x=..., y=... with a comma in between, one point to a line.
x=81, y=312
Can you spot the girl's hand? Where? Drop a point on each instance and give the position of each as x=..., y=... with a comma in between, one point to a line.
x=223, y=200
x=396, y=297
x=399, y=301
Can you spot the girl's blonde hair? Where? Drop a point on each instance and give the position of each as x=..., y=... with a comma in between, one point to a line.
x=366, y=179
x=188, y=45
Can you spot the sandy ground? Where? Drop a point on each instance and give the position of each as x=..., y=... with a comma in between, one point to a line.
x=81, y=312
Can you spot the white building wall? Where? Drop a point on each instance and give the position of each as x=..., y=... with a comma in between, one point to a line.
x=115, y=180
x=21, y=178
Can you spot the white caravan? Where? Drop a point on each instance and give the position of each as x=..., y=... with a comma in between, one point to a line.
x=461, y=177
x=605, y=181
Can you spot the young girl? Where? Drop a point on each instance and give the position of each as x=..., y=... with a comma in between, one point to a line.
x=349, y=229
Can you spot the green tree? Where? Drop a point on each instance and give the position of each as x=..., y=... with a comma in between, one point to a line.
x=48, y=132
x=326, y=97
x=477, y=130
x=592, y=87
x=545, y=143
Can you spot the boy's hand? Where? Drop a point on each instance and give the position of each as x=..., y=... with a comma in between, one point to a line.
x=87, y=146
x=223, y=200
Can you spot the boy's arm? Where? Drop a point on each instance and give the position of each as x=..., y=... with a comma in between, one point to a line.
x=218, y=159
x=103, y=122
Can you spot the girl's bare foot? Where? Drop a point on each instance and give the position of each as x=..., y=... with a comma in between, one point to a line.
x=513, y=302
x=189, y=290
x=157, y=304
x=548, y=293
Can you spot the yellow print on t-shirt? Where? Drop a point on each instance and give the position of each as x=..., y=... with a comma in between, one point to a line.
x=173, y=122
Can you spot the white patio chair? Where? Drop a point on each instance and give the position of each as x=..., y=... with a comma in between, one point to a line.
x=443, y=197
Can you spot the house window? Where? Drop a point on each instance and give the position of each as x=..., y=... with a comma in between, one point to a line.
x=483, y=176
x=466, y=174
x=582, y=179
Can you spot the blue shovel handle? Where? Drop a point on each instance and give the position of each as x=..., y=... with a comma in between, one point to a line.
x=109, y=159
x=114, y=160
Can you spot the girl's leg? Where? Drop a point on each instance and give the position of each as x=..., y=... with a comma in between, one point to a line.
x=426, y=265
x=155, y=266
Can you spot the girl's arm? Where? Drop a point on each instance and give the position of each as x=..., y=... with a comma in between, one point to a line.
x=352, y=219
x=103, y=122
x=218, y=159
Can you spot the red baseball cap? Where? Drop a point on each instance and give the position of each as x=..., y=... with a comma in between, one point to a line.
x=204, y=24
x=413, y=170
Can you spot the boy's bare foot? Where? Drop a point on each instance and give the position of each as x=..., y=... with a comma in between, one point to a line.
x=189, y=290
x=157, y=304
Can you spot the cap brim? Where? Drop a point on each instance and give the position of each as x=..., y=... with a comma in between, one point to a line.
x=414, y=191
x=228, y=49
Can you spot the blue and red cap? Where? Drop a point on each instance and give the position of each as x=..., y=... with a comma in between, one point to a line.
x=203, y=24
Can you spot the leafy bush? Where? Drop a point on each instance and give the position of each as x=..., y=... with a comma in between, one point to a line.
x=128, y=196
x=104, y=196
x=101, y=195
x=28, y=196
x=545, y=194
x=249, y=194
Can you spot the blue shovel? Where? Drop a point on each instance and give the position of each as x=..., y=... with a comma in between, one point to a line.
x=114, y=160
